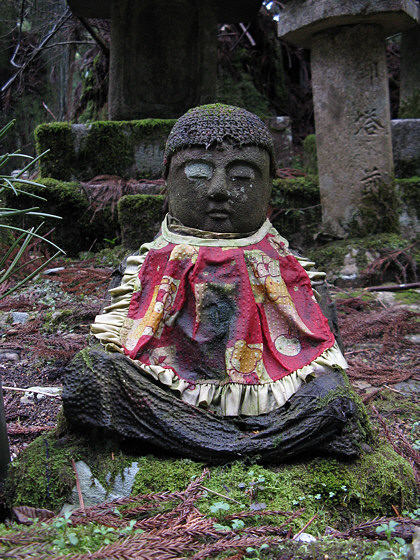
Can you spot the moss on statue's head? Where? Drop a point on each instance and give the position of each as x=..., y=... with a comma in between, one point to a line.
x=213, y=124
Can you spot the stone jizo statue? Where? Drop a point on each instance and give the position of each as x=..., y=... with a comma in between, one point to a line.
x=214, y=346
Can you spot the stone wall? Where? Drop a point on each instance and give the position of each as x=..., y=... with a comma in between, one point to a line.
x=129, y=149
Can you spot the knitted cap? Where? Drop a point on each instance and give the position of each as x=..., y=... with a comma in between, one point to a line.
x=212, y=124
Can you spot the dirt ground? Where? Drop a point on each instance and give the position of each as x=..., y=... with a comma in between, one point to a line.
x=380, y=331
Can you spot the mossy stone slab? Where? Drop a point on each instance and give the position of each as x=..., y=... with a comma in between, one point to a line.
x=341, y=493
x=124, y=148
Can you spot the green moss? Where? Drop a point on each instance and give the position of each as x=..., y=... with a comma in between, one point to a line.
x=103, y=148
x=408, y=297
x=79, y=227
x=296, y=209
x=107, y=148
x=310, y=160
x=140, y=216
x=47, y=480
x=410, y=108
x=58, y=139
x=377, y=211
x=409, y=193
x=390, y=402
x=342, y=494
x=146, y=128
x=330, y=257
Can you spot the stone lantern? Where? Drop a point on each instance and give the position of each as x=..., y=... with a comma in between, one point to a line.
x=163, y=55
x=351, y=104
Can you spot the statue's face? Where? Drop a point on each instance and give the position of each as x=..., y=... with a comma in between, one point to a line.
x=224, y=189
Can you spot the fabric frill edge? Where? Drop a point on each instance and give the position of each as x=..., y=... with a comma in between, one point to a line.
x=235, y=399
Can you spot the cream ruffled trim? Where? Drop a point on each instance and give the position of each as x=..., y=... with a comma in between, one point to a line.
x=235, y=399
x=229, y=399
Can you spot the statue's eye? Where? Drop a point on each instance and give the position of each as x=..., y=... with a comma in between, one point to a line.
x=241, y=172
x=199, y=170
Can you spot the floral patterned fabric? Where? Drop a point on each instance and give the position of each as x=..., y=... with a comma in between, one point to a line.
x=241, y=314
x=229, y=324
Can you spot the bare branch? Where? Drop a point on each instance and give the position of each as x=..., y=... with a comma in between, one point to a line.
x=97, y=38
x=62, y=20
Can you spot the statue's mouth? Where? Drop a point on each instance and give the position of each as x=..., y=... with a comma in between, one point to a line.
x=218, y=213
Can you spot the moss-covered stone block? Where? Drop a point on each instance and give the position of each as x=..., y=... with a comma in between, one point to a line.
x=341, y=493
x=410, y=108
x=345, y=260
x=130, y=149
x=296, y=209
x=79, y=225
x=310, y=160
x=60, y=160
x=139, y=217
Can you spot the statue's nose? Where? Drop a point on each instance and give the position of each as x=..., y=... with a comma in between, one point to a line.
x=217, y=187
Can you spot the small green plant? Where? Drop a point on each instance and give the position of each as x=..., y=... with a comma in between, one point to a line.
x=11, y=260
x=64, y=537
x=219, y=508
x=412, y=514
x=256, y=553
x=111, y=242
x=392, y=547
x=254, y=489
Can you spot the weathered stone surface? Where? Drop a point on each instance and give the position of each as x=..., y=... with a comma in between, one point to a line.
x=131, y=149
x=301, y=19
x=281, y=134
x=414, y=553
x=352, y=118
x=406, y=146
x=20, y=317
x=323, y=417
x=94, y=492
x=174, y=45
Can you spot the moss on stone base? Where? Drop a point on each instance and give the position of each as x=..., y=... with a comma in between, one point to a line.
x=139, y=217
x=342, y=494
x=123, y=148
x=79, y=226
x=310, y=160
x=333, y=256
x=60, y=159
x=410, y=108
x=377, y=211
x=296, y=209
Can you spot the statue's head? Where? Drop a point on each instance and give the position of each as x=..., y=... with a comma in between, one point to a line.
x=218, y=162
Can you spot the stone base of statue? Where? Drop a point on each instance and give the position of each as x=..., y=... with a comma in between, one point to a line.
x=343, y=493
x=112, y=397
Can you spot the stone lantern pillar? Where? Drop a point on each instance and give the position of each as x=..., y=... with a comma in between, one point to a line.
x=163, y=53
x=351, y=104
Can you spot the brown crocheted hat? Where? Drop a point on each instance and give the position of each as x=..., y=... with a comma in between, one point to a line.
x=212, y=124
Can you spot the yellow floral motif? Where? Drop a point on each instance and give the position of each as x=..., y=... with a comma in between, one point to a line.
x=269, y=288
x=158, y=312
x=181, y=252
x=279, y=247
x=244, y=359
